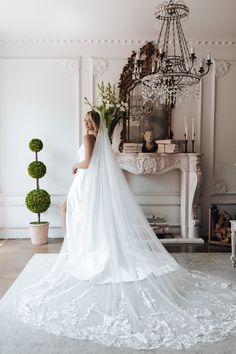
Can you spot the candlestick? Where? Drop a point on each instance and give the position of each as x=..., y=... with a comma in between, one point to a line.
x=185, y=143
x=193, y=144
x=193, y=130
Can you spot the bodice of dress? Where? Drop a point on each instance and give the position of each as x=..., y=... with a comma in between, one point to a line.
x=81, y=152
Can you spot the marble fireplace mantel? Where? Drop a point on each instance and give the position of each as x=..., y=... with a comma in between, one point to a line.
x=191, y=176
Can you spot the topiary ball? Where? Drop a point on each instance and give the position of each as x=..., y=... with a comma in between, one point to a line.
x=38, y=201
x=35, y=145
x=37, y=169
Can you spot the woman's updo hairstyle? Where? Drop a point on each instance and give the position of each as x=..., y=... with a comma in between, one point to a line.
x=95, y=117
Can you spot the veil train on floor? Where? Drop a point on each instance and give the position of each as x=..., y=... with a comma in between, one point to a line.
x=113, y=282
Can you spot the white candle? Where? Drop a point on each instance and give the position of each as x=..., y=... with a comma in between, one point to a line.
x=186, y=132
x=192, y=50
x=209, y=56
x=193, y=132
x=138, y=55
x=160, y=49
x=185, y=124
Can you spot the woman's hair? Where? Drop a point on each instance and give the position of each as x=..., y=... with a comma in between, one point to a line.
x=149, y=129
x=95, y=117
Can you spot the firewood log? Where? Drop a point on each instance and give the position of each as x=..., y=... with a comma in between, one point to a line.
x=220, y=220
x=223, y=231
x=226, y=240
x=219, y=235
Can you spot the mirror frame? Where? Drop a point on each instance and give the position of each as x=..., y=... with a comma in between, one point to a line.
x=127, y=84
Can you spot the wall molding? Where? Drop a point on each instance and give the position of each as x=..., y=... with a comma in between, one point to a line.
x=10, y=200
x=73, y=66
x=98, y=67
x=12, y=204
x=198, y=142
x=218, y=186
x=77, y=41
x=150, y=201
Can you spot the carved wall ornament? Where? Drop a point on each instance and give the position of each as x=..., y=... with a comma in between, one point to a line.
x=222, y=68
x=72, y=66
x=219, y=187
x=147, y=165
x=100, y=66
x=196, y=164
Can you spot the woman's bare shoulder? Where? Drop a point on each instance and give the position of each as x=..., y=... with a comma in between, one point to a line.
x=89, y=138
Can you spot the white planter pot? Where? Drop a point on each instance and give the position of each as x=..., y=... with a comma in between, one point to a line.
x=39, y=233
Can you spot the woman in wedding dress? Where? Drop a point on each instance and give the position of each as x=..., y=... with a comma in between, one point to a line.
x=113, y=282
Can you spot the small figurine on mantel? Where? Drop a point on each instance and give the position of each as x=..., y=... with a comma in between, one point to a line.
x=149, y=144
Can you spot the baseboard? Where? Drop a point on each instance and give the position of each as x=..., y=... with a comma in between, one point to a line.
x=182, y=240
x=56, y=232
x=23, y=232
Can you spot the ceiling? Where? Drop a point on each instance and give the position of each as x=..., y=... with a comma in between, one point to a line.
x=110, y=19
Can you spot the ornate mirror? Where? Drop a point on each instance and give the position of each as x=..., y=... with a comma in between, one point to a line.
x=141, y=115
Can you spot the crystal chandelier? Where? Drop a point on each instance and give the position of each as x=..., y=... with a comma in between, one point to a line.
x=173, y=74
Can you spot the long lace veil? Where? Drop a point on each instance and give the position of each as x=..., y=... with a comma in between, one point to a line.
x=113, y=281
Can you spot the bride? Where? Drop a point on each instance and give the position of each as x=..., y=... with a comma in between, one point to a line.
x=113, y=282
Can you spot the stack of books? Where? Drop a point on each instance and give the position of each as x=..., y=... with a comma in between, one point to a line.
x=159, y=225
x=161, y=228
x=170, y=146
x=132, y=147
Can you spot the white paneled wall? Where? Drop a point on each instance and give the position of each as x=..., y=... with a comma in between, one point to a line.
x=39, y=99
x=42, y=89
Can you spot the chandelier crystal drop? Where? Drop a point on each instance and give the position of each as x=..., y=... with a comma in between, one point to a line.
x=174, y=74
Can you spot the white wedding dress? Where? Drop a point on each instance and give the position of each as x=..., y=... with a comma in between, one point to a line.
x=114, y=283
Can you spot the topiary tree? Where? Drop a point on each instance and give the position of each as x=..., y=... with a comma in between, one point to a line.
x=38, y=200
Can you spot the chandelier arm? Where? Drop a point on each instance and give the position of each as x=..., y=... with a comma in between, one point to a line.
x=205, y=72
x=186, y=71
x=179, y=27
x=159, y=66
x=173, y=30
x=160, y=34
x=166, y=37
x=185, y=45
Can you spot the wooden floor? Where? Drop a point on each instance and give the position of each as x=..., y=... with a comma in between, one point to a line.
x=15, y=254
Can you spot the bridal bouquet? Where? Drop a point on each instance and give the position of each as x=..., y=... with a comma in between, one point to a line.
x=109, y=106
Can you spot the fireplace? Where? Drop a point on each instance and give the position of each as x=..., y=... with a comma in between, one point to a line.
x=191, y=176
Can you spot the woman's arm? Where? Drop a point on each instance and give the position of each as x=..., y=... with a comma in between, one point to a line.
x=89, y=142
